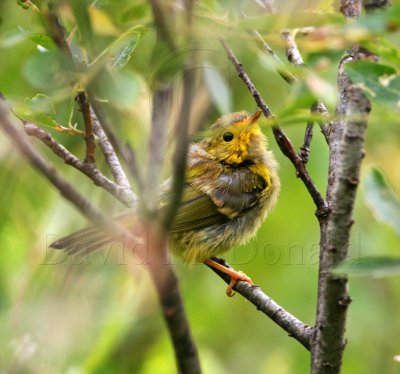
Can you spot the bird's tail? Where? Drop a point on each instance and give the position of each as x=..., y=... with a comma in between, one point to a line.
x=92, y=238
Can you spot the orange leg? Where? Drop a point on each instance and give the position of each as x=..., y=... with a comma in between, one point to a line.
x=235, y=275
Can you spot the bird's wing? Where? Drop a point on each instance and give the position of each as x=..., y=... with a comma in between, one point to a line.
x=233, y=194
x=196, y=211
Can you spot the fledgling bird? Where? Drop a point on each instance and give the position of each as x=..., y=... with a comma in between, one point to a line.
x=231, y=185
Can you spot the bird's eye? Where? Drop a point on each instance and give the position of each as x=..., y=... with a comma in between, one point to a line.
x=228, y=136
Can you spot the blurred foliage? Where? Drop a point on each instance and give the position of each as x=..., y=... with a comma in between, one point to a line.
x=100, y=314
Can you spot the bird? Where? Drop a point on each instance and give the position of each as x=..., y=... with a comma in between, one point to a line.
x=231, y=185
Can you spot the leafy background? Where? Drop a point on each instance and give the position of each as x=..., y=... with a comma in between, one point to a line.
x=100, y=315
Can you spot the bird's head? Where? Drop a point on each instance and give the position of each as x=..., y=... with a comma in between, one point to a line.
x=236, y=139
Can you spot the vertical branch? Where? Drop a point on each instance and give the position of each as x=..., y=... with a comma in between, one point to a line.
x=333, y=299
x=171, y=302
x=181, y=149
x=160, y=269
x=346, y=141
x=156, y=146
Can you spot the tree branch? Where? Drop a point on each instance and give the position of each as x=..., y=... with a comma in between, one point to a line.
x=305, y=148
x=294, y=327
x=39, y=163
x=181, y=149
x=333, y=299
x=112, y=160
x=161, y=107
x=187, y=359
x=88, y=121
x=346, y=154
x=124, y=150
x=89, y=169
x=283, y=141
x=280, y=67
x=292, y=51
x=92, y=125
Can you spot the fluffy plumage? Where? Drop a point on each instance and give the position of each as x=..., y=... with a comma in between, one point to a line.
x=230, y=187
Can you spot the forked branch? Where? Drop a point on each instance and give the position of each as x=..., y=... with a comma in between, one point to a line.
x=283, y=141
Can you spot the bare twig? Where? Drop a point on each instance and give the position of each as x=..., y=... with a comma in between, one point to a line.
x=294, y=327
x=305, y=148
x=111, y=158
x=280, y=67
x=324, y=126
x=92, y=125
x=88, y=121
x=292, y=51
x=124, y=150
x=283, y=141
x=38, y=162
x=89, y=169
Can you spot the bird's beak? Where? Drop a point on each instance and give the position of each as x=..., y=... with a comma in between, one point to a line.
x=255, y=117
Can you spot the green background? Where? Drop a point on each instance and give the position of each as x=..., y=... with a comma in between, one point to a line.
x=100, y=314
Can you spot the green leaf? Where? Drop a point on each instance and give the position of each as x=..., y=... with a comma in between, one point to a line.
x=217, y=88
x=44, y=41
x=379, y=82
x=381, y=199
x=43, y=70
x=122, y=50
x=120, y=88
x=38, y=110
x=370, y=266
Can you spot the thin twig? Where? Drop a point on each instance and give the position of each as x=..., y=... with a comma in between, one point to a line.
x=88, y=122
x=124, y=150
x=92, y=124
x=287, y=75
x=283, y=141
x=44, y=167
x=305, y=148
x=280, y=67
x=294, y=327
x=111, y=158
x=294, y=56
x=89, y=169
x=292, y=51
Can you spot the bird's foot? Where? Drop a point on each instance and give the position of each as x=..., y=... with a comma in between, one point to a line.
x=236, y=276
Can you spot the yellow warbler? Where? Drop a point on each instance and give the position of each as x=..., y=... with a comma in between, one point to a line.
x=230, y=187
